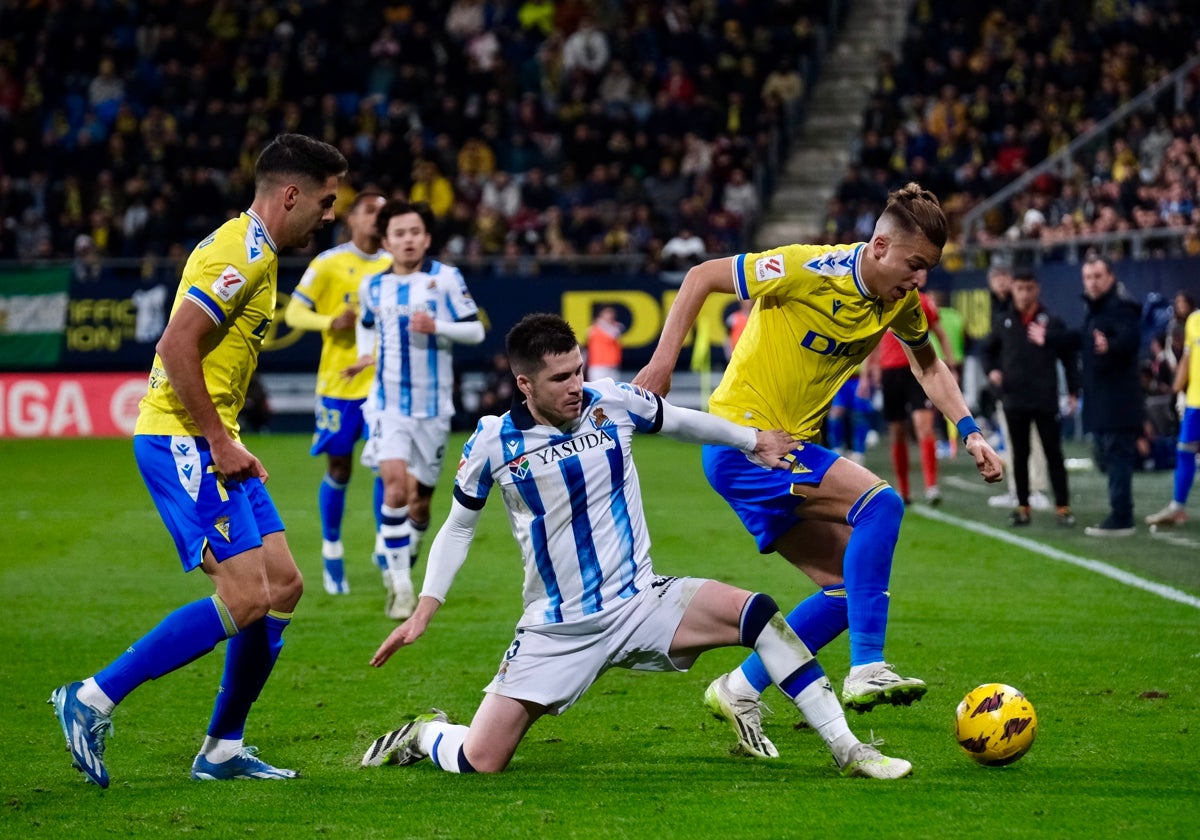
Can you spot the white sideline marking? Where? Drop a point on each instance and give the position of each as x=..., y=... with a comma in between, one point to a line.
x=1173, y=539
x=972, y=486
x=1100, y=568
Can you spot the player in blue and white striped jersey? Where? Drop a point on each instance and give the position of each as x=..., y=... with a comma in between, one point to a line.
x=564, y=467
x=410, y=318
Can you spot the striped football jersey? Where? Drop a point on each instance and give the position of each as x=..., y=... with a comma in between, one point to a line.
x=573, y=499
x=413, y=372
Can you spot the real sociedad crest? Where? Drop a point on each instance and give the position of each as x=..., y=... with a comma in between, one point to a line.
x=519, y=467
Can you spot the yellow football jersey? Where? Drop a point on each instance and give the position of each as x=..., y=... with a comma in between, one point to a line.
x=813, y=324
x=1191, y=340
x=232, y=276
x=328, y=287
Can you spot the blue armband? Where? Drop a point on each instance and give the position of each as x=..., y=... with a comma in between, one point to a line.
x=967, y=426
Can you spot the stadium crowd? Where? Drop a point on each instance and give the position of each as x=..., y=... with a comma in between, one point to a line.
x=532, y=128
x=981, y=93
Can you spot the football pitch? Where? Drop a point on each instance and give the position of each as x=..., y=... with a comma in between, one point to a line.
x=1102, y=636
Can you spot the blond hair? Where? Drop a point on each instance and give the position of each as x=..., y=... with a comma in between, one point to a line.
x=914, y=209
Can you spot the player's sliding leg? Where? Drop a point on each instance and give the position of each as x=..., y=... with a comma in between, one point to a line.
x=817, y=620
x=800, y=677
x=499, y=725
x=331, y=502
x=421, y=738
x=84, y=708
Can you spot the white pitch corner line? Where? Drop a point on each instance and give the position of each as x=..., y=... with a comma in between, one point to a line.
x=1100, y=568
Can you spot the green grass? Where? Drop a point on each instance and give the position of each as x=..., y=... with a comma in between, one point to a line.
x=86, y=568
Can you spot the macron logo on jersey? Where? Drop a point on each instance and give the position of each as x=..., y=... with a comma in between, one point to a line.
x=228, y=284
x=769, y=268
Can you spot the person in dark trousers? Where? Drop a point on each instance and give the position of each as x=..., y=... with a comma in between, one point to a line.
x=1112, y=392
x=1022, y=353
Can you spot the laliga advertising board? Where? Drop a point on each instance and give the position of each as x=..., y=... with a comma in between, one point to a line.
x=69, y=404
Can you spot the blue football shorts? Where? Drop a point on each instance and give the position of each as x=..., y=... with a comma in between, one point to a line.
x=340, y=425
x=766, y=499
x=199, y=509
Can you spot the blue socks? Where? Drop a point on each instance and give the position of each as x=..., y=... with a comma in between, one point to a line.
x=331, y=502
x=184, y=635
x=380, y=555
x=249, y=658
x=818, y=619
x=1185, y=473
x=867, y=567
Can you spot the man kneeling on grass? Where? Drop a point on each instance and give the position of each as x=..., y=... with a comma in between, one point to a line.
x=563, y=462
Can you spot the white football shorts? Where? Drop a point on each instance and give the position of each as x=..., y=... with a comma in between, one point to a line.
x=418, y=441
x=554, y=664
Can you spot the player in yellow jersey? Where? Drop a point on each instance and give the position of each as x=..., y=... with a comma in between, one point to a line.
x=208, y=487
x=819, y=311
x=1187, y=385
x=326, y=301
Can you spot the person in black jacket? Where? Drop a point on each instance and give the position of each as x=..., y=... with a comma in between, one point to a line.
x=1112, y=392
x=1000, y=281
x=1022, y=355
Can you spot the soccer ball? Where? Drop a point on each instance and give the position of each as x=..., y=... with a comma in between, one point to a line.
x=995, y=724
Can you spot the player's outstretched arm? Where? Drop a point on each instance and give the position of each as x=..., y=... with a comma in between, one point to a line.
x=942, y=389
x=768, y=448
x=446, y=556
x=701, y=281
x=412, y=629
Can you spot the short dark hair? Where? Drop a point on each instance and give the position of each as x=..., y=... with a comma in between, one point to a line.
x=1024, y=275
x=363, y=197
x=1097, y=257
x=917, y=210
x=399, y=207
x=298, y=154
x=534, y=338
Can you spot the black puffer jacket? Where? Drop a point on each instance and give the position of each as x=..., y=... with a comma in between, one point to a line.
x=1112, y=392
x=1030, y=373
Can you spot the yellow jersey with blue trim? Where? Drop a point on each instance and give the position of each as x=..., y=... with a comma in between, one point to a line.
x=328, y=287
x=232, y=276
x=813, y=324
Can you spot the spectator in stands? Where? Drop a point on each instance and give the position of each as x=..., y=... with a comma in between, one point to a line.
x=740, y=197
x=682, y=251
x=1182, y=307
x=416, y=89
x=431, y=187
